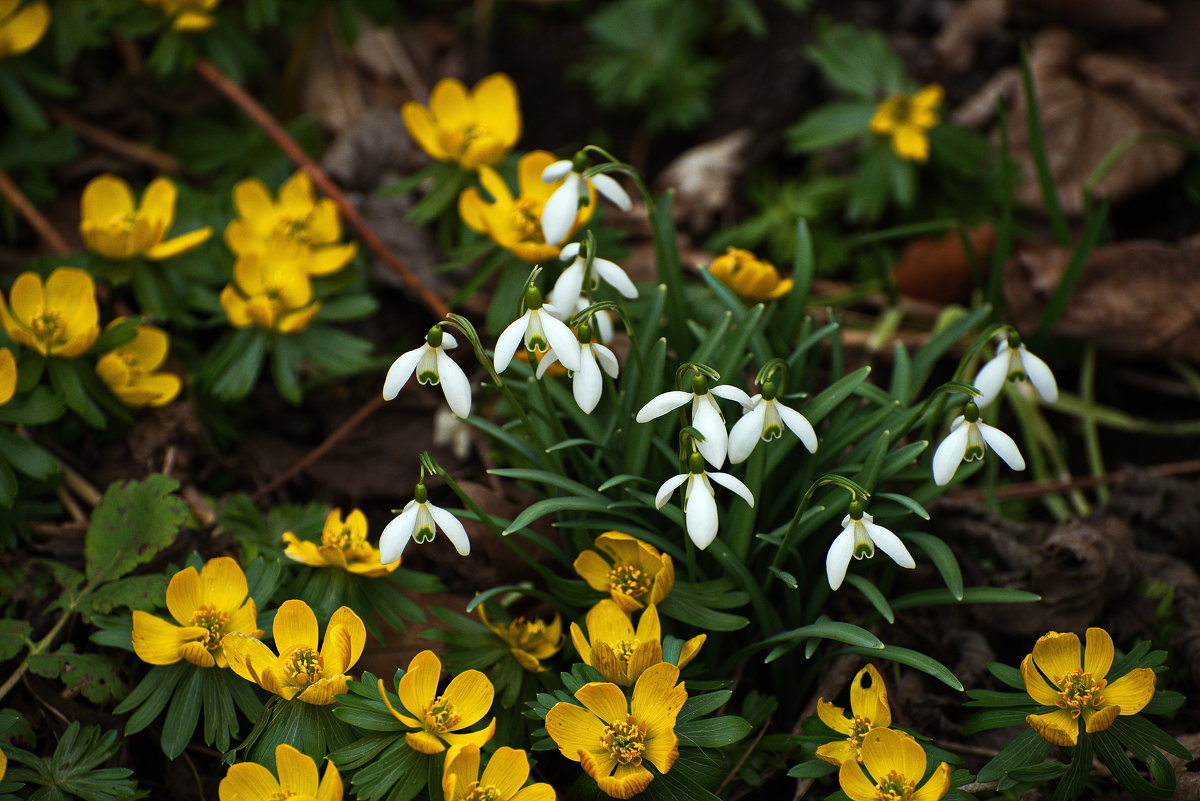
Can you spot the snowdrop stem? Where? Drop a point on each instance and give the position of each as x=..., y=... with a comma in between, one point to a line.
x=1091, y=430
x=1045, y=456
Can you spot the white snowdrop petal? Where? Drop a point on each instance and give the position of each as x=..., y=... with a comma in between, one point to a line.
x=562, y=340
x=588, y=382
x=558, y=215
x=990, y=379
x=396, y=534
x=400, y=371
x=662, y=404
x=949, y=455
x=890, y=544
x=607, y=359
x=548, y=358
x=798, y=424
x=566, y=290
x=746, y=434
x=508, y=342
x=735, y=485
x=615, y=277
x=838, y=557
x=455, y=532
x=1003, y=445
x=700, y=513
x=455, y=385
x=1039, y=375
x=706, y=419
x=569, y=251
x=668, y=487
x=732, y=393
x=556, y=171
x=448, y=341
x=612, y=190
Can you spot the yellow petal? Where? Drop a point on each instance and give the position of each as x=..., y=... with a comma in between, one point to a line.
x=331, y=784
x=646, y=654
x=405, y=719
x=156, y=641
x=910, y=142
x=193, y=22
x=885, y=750
x=248, y=781
x=335, y=650
x=424, y=742
x=1100, y=719
x=471, y=694
x=27, y=299
x=581, y=644
x=937, y=786
x=1035, y=685
x=854, y=782
x=254, y=205
x=690, y=649
x=244, y=619
x=423, y=130
x=496, y=102
x=648, y=627
x=604, y=700
x=328, y=260
x=460, y=770
x=170, y=248
x=235, y=306
x=26, y=28
x=297, y=772
x=1098, y=654
x=451, y=106
x=223, y=584
x=296, y=199
x=183, y=594
x=197, y=654
x=833, y=716
x=605, y=661
x=529, y=175
x=837, y=752
x=657, y=698
x=662, y=749
x=1132, y=691
x=295, y=624
x=72, y=293
x=418, y=685
x=473, y=210
x=322, y=691
x=607, y=622
x=158, y=203
x=1057, y=727
x=664, y=580
x=868, y=697
x=574, y=729
x=324, y=223
x=1057, y=654
x=345, y=618
x=592, y=568
x=626, y=782
x=883, y=121
x=535, y=792
x=104, y=198
x=8, y=375
x=507, y=770
x=460, y=739
x=252, y=660
x=598, y=764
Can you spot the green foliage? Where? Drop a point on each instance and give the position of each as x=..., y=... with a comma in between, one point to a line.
x=133, y=522
x=73, y=770
x=96, y=676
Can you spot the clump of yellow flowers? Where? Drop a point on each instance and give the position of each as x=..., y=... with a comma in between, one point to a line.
x=473, y=128
x=113, y=227
x=907, y=119
x=129, y=369
x=22, y=27
x=752, y=279
x=58, y=317
x=343, y=544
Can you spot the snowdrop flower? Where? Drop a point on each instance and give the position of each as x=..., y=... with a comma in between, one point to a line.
x=699, y=498
x=1013, y=362
x=706, y=415
x=587, y=381
x=569, y=285
x=858, y=539
x=418, y=520
x=541, y=331
x=968, y=440
x=558, y=215
x=432, y=366
x=765, y=420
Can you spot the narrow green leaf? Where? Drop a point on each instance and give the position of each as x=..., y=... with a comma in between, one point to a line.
x=942, y=557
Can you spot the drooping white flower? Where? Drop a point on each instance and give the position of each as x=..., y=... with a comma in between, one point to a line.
x=706, y=415
x=587, y=382
x=858, y=539
x=540, y=330
x=1014, y=364
x=968, y=440
x=558, y=215
x=419, y=520
x=699, y=499
x=764, y=421
x=432, y=366
x=569, y=285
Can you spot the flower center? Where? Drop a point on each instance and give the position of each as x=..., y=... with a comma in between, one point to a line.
x=303, y=665
x=526, y=219
x=523, y=633
x=625, y=741
x=213, y=621
x=482, y=792
x=975, y=445
x=352, y=545
x=864, y=546
x=440, y=716
x=49, y=327
x=858, y=729
x=900, y=110
x=628, y=580
x=895, y=787
x=282, y=795
x=1079, y=691
x=623, y=649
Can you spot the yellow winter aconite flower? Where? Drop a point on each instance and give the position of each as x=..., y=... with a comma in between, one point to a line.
x=189, y=16
x=56, y=318
x=515, y=224
x=439, y=720
x=870, y=710
x=209, y=607
x=300, y=670
x=750, y=278
x=308, y=229
x=250, y=781
x=1056, y=676
x=638, y=573
x=620, y=652
x=530, y=641
x=22, y=28
x=896, y=763
x=129, y=369
x=343, y=544
x=473, y=128
x=907, y=120
x=113, y=228
x=270, y=293
x=8, y=375
x=502, y=779
x=610, y=737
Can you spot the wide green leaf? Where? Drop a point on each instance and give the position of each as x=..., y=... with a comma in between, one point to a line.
x=133, y=522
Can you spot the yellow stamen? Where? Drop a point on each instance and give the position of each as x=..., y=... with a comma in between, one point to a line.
x=895, y=787
x=214, y=621
x=482, y=792
x=628, y=580
x=440, y=716
x=858, y=729
x=303, y=665
x=625, y=741
x=623, y=649
x=1079, y=692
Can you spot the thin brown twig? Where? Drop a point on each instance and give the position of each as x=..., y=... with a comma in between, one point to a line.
x=104, y=138
x=267, y=123
x=44, y=228
x=745, y=756
x=1035, y=489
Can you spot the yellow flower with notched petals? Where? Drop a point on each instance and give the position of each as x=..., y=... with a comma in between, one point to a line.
x=610, y=737
x=638, y=574
x=896, y=762
x=473, y=128
x=515, y=224
x=530, y=641
x=129, y=369
x=502, y=779
x=300, y=671
x=907, y=120
x=22, y=28
x=188, y=16
x=8, y=375
x=112, y=227
x=343, y=544
x=1080, y=688
x=439, y=720
x=620, y=652
x=56, y=318
x=250, y=781
x=211, y=608
x=751, y=278
x=869, y=710
x=271, y=293
x=308, y=228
